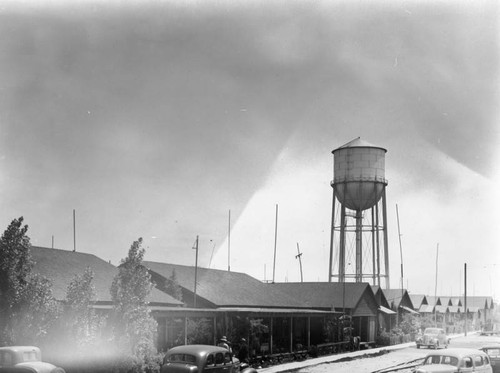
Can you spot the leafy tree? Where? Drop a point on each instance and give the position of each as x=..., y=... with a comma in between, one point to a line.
x=37, y=311
x=199, y=330
x=83, y=323
x=172, y=286
x=134, y=327
x=15, y=269
x=410, y=323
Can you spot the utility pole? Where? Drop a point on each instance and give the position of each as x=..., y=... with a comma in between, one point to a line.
x=229, y=244
x=401, y=253
x=436, y=284
x=465, y=298
x=275, y=242
x=74, y=231
x=400, y=250
x=300, y=262
x=195, y=271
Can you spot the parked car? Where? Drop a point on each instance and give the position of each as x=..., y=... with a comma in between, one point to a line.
x=25, y=359
x=461, y=360
x=433, y=337
x=493, y=351
x=202, y=358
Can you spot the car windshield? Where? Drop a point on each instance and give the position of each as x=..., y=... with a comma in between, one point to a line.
x=182, y=358
x=431, y=331
x=441, y=359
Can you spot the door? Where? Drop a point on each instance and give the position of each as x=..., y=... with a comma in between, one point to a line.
x=371, y=329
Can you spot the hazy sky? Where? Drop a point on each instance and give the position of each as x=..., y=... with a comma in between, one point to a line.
x=153, y=119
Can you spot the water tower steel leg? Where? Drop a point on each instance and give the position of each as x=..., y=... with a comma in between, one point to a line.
x=342, y=245
x=386, y=246
x=330, y=267
x=374, y=260
x=359, y=247
x=377, y=242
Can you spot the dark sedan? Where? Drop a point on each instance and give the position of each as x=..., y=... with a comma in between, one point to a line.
x=202, y=358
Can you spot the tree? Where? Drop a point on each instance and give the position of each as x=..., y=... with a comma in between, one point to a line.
x=172, y=286
x=36, y=312
x=83, y=324
x=15, y=270
x=134, y=327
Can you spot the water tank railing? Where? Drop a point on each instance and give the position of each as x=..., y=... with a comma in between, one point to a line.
x=350, y=179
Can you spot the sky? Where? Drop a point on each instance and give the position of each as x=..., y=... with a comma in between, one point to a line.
x=172, y=120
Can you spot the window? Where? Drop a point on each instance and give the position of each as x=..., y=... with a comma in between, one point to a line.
x=182, y=358
x=433, y=359
x=466, y=363
x=5, y=358
x=227, y=358
x=449, y=360
x=210, y=360
x=29, y=356
x=219, y=358
x=478, y=360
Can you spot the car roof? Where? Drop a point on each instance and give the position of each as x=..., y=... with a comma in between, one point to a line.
x=198, y=350
x=19, y=348
x=457, y=352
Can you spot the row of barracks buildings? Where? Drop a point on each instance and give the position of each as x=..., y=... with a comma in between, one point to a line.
x=296, y=314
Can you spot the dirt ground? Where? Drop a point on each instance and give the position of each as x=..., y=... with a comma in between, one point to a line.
x=372, y=360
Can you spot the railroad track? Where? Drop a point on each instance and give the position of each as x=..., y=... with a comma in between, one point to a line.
x=401, y=366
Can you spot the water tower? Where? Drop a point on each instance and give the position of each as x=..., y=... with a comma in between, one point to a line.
x=359, y=215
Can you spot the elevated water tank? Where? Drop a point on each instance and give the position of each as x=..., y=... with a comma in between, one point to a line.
x=359, y=174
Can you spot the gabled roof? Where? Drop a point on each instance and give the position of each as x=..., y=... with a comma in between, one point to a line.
x=445, y=300
x=441, y=309
x=60, y=267
x=455, y=309
x=426, y=308
x=380, y=297
x=418, y=300
x=433, y=301
x=456, y=301
x=224, y=288
x=399, y=297
x=479, y=302
x=332, y=295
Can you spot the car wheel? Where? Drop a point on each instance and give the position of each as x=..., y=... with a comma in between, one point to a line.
x=418, y=346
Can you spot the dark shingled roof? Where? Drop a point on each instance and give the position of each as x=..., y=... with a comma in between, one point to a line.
x=399, y=297
x=380, y=297
x=326, y=295
x=418, y=300
x=60, y=267
x=480, y=302
x=224, y=288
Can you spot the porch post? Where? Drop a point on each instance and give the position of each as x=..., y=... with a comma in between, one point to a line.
x=185, y=331
x=308, y=332
x=271, y=339
x=214, y=334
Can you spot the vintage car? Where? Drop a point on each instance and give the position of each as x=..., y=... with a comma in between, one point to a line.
x=202, y=358
x=24, y=359
x=433, y=337
x=454, y=360
x=493, y=351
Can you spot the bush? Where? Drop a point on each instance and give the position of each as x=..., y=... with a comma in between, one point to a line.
x=313, y=351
